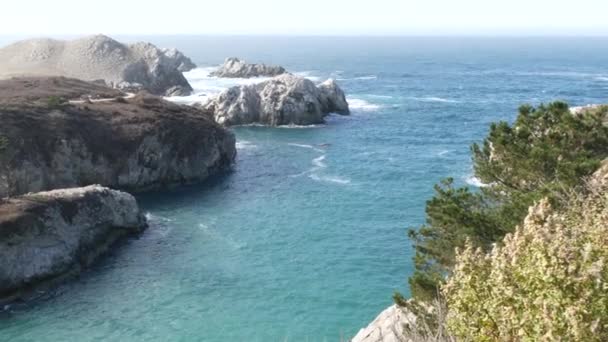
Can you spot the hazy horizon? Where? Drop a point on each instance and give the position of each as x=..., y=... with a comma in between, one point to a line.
x=316, y=18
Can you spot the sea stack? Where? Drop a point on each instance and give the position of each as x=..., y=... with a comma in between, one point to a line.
x=99, y=58
x=283, y=100
x=236, y=68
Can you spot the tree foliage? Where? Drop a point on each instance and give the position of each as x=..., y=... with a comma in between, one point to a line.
x=55, y=102
x=545, y=152
x=547, y=281
x=3, y=143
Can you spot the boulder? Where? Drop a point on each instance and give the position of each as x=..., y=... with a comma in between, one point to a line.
x=47, y=236
x=137, y=66
x=283, y=100
x=236, y=68
x=133, y=143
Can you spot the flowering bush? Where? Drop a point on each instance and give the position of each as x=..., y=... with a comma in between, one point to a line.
x=548, y=280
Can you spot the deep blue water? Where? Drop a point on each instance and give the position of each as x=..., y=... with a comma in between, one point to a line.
x=306, y=239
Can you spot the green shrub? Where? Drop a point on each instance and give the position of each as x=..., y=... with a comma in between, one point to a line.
x=543, y=154
x=3, y=143
x=55, y=102
x=547, y=281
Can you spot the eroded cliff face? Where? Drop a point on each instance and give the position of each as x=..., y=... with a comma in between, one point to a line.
x=135, y=144
x=49, y=235
x=283, y=100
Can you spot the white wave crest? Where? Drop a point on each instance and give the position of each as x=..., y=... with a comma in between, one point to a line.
x=474, y=181
x=309, y=75
x=433, y=99
x=318, y=165
x=245, y=145
x=318, y=162
x=330, y=179
x=151, y=217
x=293, y=126
x=361, y=78
x=443, y=153
x=205, y=85
x=306, y=146
x=359, y=104
x=380, y=96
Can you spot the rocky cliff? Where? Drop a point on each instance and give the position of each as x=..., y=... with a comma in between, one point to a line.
x=236, y=68
x=47, y=236
x=389, y=326
x=132, y=67
x=180, y=61
x=283, y=100
x=129, y=143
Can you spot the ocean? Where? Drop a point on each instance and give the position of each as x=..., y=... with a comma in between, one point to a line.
x=306, y=239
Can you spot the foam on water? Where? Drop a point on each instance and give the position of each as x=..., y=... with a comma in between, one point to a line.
x=306, y=146
x=318, y=162
x=245, y=145
x=474, y=181
x=443, y=153
x=361, y=105
x=360, y=78
x=205, y=85
x=433, y=99
x=308, y=74
x=330, y=179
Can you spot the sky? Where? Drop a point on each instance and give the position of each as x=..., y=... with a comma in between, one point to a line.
x=305, y=17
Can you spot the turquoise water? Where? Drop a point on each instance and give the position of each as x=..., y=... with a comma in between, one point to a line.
x=306, y=239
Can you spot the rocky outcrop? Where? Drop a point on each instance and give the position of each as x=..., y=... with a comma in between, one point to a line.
x=332, y=98
x=284, y=100
x=128, y=143
x=179, y=60
x=47, y=236
x=389, y=326
x=129, y=67
x=236, y=68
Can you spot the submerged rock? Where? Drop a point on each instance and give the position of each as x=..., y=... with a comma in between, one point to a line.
x=128, y=143
x=47, y=236
x=284, y=100
x=130, y=67
x=236, y=68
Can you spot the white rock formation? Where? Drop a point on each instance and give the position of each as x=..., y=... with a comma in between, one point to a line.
x=387, y=327
x=283, y=100
x=236, y=68
x=129, y=67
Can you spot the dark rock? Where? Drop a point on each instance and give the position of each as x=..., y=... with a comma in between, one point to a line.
x=143, y=143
